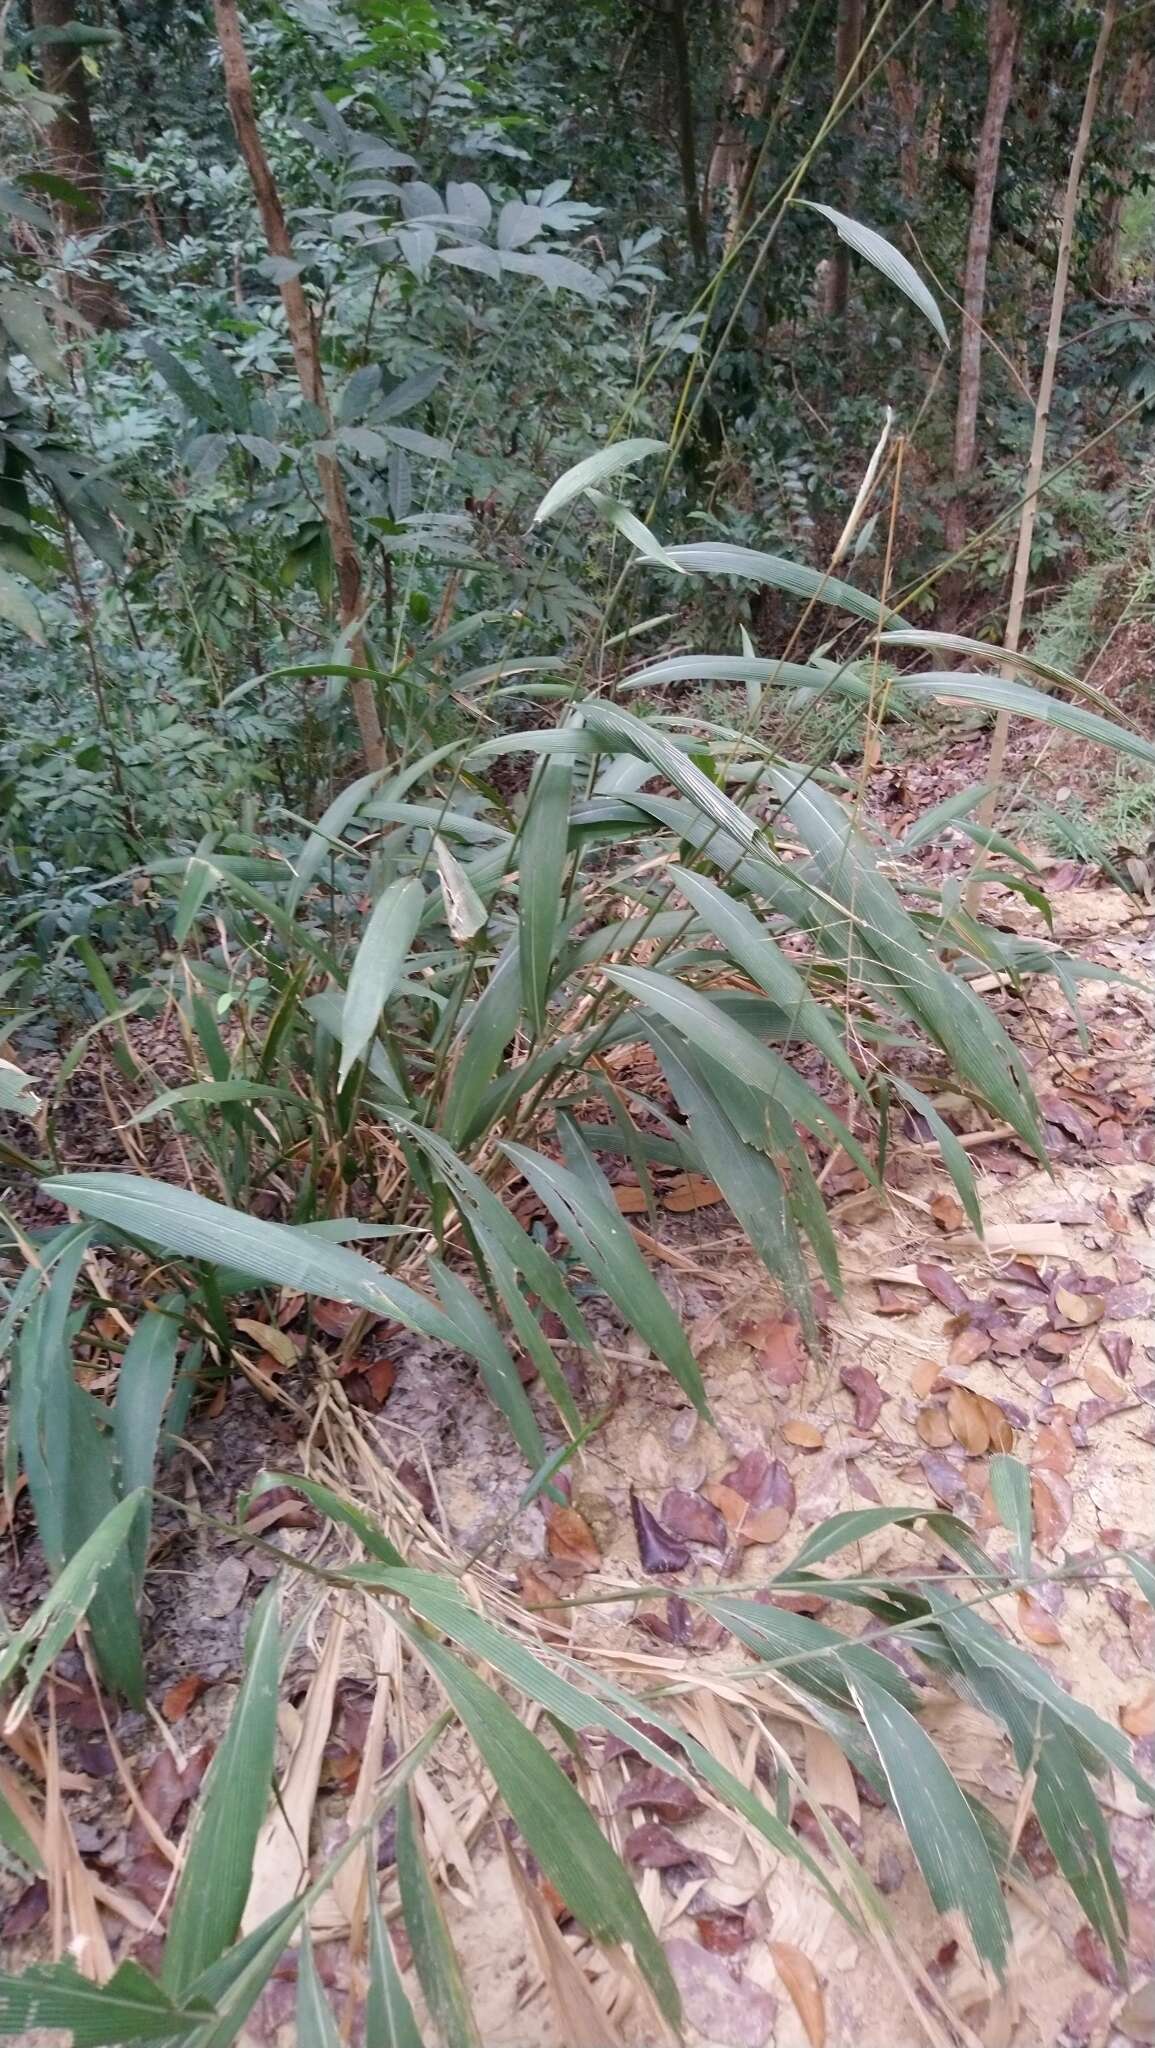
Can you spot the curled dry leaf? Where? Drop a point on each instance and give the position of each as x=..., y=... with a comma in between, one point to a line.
x=694, y=1519
x=944, y=1287
x=781, y=1352
x=968, y=1423
x=1051, y=1506
x=181, y=1696
x=803, y=1435
x=727, y=2009
x=1080, y=1309
x=281, y=1350
x=1138, y=1715
x=1036, y=1624
x=932, y=1427
x=653, y=1847
x=568, y=1534
x=947, y=1210
x=868, y=1395
x=671, y=1798
x=801, y=1979
x=658, y=1550
x=724, y=1930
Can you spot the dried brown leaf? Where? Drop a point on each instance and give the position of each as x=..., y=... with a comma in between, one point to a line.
x=968, y=1345
x=181, y=1696
x=968, y=1423
x=803, y=1435
x=690, y=1191
x=281, y=1351
x=1051, y=1506
x=868, y=1395
x=727, y=2009
x=947, y=1210
x=693, y=1518
x=670, y=1798
x=1080, y=1309
x=801, y=1979
x=932, y=1427
x=1137, y=1716
x=568, y=1534
x=1036, y=1624
x=658, y=1550
x=724, y=1930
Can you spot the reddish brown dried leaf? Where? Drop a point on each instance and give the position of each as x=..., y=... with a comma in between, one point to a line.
x=803, y=1435
x=947, y=1210
x=968, y=1345
x=1036, y=1624
x=181, y=1696
x=1051, y=1505
x=1138, y=1715
x=943, y=1477
x=1081, y=1310
x=999, y=1430
x=1054, y=1449
x=335, y=1318
x=944, y=1287
x=568, y=1534
x=653, y=1847
x=723, y=1930
x=670, y=1798
x=27, y=1911
x=932, y=1427
x=781, y=1352
x=1091, y=1953
x=868, y=1395
x=690, y=1191
x=1118, y=1347
x=927, y=1378
x=694, y=1519
x=658, y=1550
x=896, y=1301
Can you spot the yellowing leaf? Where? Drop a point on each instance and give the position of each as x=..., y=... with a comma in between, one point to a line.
x=801, y=1979
x=277, y=1343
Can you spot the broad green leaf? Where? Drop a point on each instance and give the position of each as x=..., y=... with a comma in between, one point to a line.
x=553, y=1817
x=143, y=1386
x=479, y=1045
x=708, y=1027
x=1011, y=1493
x=750, y=1181
x=1023, y=702
x=218, y=1863
x=748, y=669
x=621, y=732
x=720, y=558
x=631, y=527
x=806, y=1654
x=130, y=2007
x=15, y=1840
x=867, y=242
x=1143, y=1576
x=211, y=1093
x=316, y=2027
x=181, y=1221
x=17, y=609
x=541, y=855
x=594, y=470
x=955, y=1156
x=952, y=808
x=438, y=1969
x=23, y=317
x=322, y=842
x=377, y=967
x=47, y=1630
x=603, y=1242
x=750, y=946
x=389, y=2021
x=465, y=912
x=944, y=1834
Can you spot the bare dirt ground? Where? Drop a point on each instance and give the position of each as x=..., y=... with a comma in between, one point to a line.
x=1040, y=1339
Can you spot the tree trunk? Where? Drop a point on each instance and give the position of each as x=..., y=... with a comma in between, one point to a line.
x=306, y=355
x=687, y=150
x=76, y=156
x=1022, y=570
x=847, y=47
x=1134, y=104
x=1002, y=37
x=906, y=95
x=758, y=55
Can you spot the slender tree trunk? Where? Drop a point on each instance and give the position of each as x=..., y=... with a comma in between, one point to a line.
x=76, y=155
x=1134, y=102
x=1022, y=569
x=1002, y=38
x=906, y=95
x=687, y=149
x=306, y=355
x=847, y=46
x=757, y=56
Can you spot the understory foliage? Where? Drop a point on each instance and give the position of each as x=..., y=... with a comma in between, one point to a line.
x=396, y=986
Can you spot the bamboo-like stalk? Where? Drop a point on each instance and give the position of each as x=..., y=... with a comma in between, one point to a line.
x=1043, y=409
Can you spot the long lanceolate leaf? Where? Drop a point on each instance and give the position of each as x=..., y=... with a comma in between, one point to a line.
x=181, y=1221
x=720, y=558
x=129, y=2008
x=556, y=1822
x=389, y=2021
x=438, y=1970
x=602, y=1240
x=592, y=470
x=1023, y=702
x=217, y=1870
x=35, y=1646
x=750, y=1181
x=944, y=1833
x=541, y=856
x=377, y=967
x=886, y=258
x=943, y=1004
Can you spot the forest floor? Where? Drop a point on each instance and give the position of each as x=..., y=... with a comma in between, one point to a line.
x=943, y=1348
